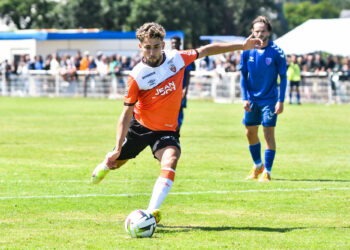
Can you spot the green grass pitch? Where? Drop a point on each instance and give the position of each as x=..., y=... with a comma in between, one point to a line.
x=49, y=147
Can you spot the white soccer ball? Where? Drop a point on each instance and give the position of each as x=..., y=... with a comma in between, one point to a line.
x=140, y=224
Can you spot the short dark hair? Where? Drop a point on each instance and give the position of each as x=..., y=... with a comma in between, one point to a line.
x=262, y=19
x=177, y=38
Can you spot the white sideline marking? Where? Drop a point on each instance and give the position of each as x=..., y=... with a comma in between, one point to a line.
x=112, y=181
x=178, y=193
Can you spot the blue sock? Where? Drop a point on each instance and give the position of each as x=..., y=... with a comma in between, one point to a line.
x=269, y=157
x=255, y=153
x=298, y=98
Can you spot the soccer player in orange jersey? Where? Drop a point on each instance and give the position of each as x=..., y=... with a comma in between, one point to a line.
x=151, y=107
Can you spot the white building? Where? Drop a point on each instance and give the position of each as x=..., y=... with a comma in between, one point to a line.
x=44, y=42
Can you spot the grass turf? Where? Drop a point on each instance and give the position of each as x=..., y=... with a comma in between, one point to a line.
x=49, y=147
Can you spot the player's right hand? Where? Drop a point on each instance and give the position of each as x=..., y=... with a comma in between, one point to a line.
x=246, y=106
x=252, y=43
x=111, y=158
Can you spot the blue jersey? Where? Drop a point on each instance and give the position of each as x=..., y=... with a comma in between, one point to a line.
x=190, y=67
x=259, y=72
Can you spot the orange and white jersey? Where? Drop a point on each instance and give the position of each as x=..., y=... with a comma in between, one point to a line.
x=157, y=91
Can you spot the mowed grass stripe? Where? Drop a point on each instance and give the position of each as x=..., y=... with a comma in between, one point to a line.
x=177, y=193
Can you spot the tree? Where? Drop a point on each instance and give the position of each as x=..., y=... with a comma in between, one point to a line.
x=114, y=13
x=297, y=14
x=193, y=17
x=244, y=12
x=78, y=14
x=199, y=17
x=28, y=14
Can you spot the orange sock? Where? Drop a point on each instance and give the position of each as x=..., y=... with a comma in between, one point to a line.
x=168, y=173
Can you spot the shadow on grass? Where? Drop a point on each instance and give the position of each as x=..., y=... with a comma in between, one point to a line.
x=179, y=229
x=313, y=180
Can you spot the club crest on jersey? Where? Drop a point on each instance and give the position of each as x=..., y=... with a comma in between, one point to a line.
x=268, y=60
x=172, y=68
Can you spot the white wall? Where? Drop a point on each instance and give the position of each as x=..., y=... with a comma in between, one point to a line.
x=11, y=47
x=36, y=47
x=93, y=46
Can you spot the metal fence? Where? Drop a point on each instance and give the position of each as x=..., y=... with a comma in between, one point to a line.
x=321, y=88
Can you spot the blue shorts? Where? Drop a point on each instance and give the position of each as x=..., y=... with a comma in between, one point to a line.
x=261, y=114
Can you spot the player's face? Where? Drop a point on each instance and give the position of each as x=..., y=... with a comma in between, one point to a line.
x=260, y=31
x=151, y=49
x=175, y=44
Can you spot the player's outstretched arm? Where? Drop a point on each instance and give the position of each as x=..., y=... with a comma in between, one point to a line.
x=219, y=48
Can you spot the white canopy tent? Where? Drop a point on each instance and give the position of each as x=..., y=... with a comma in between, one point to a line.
x=328, y=35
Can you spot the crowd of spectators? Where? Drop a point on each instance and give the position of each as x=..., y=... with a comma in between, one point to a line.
x=67, y=65
x=316, y=63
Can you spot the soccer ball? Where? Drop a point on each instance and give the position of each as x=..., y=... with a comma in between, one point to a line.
x=140, y=224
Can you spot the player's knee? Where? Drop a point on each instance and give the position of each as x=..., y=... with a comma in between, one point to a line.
x=171, y=161
x=251, y=133
x=269, y=136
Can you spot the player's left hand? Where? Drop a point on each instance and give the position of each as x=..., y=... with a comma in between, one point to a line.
x=279, y=108
x=252, y=43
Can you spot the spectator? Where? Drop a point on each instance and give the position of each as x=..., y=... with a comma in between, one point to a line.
x=68, y=69
x=55, y=63
x=98, y=58
x=294, y=78
x=47, y=62
x=300, y=61
x=103, y=66
x=77, y=59
x=310, y=64
x=30, y=63
x=345, y=64
x=114, y=66
x=84, y=62
x=22, y=68
x=38, y=64
x=330, y=64
x=125, y=63
x=319, y=64
x=92, y=64
x=230, y=67
x=203, y=66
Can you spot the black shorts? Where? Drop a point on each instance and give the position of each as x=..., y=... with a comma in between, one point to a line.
x=294, y=83
x=139, y=137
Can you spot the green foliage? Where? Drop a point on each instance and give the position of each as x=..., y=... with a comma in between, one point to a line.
x=297, y=14
x=176, y=15
x=115, y=13
x=49, y=147
x=200, y=17
x=242, y=13
x=339, y=4
x=195, y=17
x=78, y=14
x=29, y=13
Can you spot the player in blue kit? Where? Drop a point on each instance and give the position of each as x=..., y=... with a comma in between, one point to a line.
x=262, y=100
x=175, y=44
